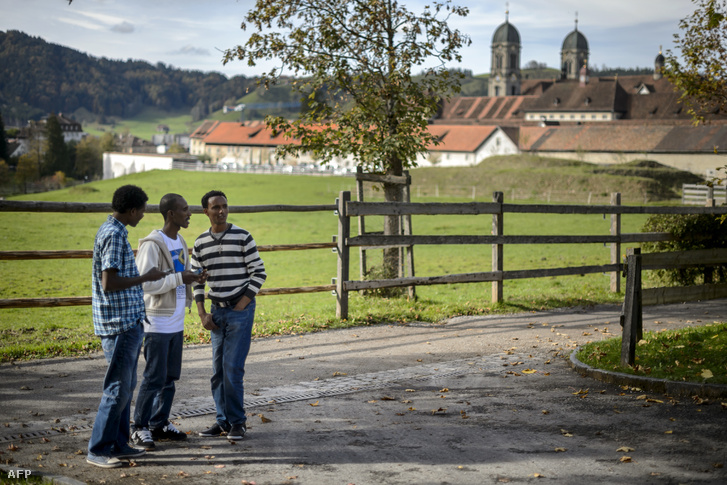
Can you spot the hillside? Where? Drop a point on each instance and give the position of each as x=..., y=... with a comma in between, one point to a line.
x=37, y=78
x=537, y=178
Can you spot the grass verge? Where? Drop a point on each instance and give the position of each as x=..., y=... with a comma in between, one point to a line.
x=692, y=354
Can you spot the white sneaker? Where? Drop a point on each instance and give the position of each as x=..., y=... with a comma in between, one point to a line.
x=142, y=438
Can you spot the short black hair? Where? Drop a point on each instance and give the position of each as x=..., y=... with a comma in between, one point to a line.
x=169, y=203
x=128, y=197
x=212, y=193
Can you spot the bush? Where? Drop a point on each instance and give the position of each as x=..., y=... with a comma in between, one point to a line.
x=692, y=231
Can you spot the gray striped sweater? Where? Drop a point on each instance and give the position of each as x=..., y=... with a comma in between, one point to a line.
x=232, y=262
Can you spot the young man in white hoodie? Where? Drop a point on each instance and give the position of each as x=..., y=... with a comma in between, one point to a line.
x=165, y=301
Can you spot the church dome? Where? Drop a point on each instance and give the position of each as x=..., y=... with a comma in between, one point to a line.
x=506, y=33
x=575, y=40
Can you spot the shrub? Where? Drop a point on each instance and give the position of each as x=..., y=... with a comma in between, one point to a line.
x=692, y=231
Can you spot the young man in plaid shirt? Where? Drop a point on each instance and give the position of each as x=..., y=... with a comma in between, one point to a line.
x=118, y=312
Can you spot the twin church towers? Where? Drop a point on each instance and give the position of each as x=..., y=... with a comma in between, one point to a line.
x=505, y=77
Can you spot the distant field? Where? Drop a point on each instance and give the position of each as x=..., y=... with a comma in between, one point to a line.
x=69, y=329
x=145, y=124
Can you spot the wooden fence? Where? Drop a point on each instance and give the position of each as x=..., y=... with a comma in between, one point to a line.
x=696, y=194
x=635, y=297
x=73, y=207
x=347, y=209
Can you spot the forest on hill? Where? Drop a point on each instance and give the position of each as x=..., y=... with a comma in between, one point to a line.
x=37, y=78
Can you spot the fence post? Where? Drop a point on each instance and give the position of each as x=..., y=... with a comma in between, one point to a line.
x=632, y=316
x=361, y=224
x=710, y=197
x=344, y=231
x=407, y=230
x=497, y=265
x=616, y=246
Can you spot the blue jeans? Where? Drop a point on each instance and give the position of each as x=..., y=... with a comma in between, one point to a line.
x=111, y=428
x=230, y=346
x=163, y=355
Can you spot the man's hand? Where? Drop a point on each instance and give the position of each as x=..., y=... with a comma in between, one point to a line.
x=189, y=277
x=207, y=322
x=154, y=274
x=242, y=304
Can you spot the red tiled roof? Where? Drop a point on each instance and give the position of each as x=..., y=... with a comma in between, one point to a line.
x=460, y=138
x=454, y=138
x=612, y=137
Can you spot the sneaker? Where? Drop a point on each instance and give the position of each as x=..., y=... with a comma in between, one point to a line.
x=168, y=432
x=214, y=430
x=237, y=432
x=103, y=461
x=126, y=451
x=142, y=437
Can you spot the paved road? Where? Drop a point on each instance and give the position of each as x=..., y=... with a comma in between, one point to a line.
x=395, y=404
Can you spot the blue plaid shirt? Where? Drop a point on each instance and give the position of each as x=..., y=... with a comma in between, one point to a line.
x=115, y=312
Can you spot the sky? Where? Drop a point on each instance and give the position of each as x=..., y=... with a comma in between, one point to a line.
x=192, y=34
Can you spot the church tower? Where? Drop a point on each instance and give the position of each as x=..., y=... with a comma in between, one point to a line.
x=505, y=74
x=573, y=54
x=658, y=65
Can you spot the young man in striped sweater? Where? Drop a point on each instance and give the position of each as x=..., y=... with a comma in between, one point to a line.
x=235, y=274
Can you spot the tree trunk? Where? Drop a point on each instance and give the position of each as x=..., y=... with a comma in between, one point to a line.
x=392, y=193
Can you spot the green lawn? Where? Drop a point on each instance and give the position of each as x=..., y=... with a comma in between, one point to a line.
x=64, y=330
x=694, y=354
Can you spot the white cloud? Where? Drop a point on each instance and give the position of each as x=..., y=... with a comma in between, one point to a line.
x=123, y=28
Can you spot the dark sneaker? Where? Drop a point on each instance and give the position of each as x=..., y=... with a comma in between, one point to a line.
x=237, y=432
x=168, y=432
x=126, y=452
x=104, y=461
x=142, y=438
x=214, y=430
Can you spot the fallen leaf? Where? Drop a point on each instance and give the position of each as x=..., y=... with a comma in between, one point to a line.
x=264, y=419
x=561, y=449
x=12, y=447
x=219, y=466
x=529, y=371
x=625, y=459
x=444, y=390
x=409, y=390
x=387, y=398
x=668, y=432
x=538, y=475
x=625, y=449
x=314, y=404
x=707, y=374
x=335, y=374
x=439, y=411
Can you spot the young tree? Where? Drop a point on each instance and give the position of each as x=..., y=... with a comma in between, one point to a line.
x=27, y=171
x=89, y=158
x=702, y=76
x=56, y=155
x=361, y=53
x=4, y=148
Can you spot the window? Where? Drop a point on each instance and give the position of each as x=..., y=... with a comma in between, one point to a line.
x=513, y=61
